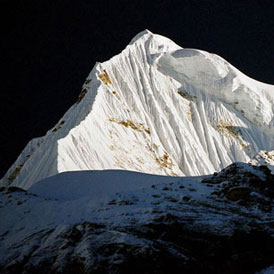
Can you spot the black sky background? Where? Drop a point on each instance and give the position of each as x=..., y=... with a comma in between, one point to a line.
x=48, y=48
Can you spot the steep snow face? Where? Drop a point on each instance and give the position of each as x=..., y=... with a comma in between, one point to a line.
x=155, y=108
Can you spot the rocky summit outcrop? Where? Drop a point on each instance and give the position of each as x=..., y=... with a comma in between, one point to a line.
x=246, y=184
x=221, y=223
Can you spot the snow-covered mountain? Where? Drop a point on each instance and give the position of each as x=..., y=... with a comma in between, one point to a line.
x=155, y=108
x=160, y=109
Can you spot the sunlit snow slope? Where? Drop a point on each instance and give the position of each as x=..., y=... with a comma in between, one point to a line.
x=155, y=108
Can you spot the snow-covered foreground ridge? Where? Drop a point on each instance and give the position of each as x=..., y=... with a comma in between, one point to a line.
x=118, y=221
x=155, y=108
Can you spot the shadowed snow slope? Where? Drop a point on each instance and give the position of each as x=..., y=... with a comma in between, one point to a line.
x=113, y=221
x=94, y=184
x=155, y=108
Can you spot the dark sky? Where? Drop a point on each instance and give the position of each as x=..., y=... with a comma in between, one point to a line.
x=48, y=48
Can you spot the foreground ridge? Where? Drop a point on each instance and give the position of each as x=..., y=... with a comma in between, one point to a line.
x=121, y=221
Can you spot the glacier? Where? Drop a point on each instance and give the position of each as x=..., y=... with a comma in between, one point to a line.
x=155, y=108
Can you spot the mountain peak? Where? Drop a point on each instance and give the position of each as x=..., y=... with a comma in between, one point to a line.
x=155, y=108
x=142, y=34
